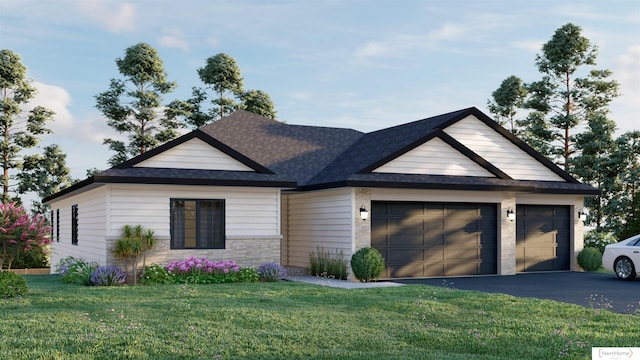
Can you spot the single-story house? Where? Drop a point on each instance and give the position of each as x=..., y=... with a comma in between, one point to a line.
x=454, y=194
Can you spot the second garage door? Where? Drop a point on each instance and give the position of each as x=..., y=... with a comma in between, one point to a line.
x=420, y=239
x=543, y=238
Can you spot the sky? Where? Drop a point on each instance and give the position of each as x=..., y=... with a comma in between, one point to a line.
x=357, y=64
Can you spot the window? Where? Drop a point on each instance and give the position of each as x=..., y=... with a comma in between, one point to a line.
x=74, y=225
x=57, y=225
x=53, y=223
x=197, y=224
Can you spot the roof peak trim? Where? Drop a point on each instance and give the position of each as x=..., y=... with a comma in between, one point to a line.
x=195, y=134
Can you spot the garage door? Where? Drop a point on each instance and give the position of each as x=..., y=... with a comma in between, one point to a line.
x=435, y=239
x=542, y=238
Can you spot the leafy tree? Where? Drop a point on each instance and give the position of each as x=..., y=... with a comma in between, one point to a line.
x=132, y=105
x=258, y=102
x=19, y=130
x=20, y=233
x=507, y=99
x=44, y=174
x=134, y=242
x=595, y=163
x=221, y=77
x=562, y=99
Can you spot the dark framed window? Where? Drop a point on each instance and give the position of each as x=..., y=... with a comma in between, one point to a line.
x=57, y=225
x=74, y=225
x=52, y=224
x=197, y=224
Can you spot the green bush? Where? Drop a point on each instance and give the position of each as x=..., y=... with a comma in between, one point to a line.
x=247, y=274
x=324, y=264
x=590, y=259
x=12, y=285
x=598, y=239
x=157, y=274
x=76, y=270
x=367, y=264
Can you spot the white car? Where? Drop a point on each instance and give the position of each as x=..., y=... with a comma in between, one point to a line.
x=623, y=258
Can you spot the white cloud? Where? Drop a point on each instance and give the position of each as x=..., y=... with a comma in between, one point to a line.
x=117, y=18
x=532, y=46
x=57, y=99
x=173, y=41
x=628, y=74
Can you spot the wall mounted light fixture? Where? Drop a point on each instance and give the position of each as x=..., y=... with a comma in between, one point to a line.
x=364, y=214
x=511, y=215
x=582, y=215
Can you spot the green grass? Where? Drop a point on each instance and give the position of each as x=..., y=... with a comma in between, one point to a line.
x=290, y=320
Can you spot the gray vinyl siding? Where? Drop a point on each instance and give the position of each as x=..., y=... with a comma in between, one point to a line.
x=499, y=151
x=322, y=219
x=194, y=154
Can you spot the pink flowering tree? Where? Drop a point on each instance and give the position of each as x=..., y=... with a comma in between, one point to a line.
x=20, y=232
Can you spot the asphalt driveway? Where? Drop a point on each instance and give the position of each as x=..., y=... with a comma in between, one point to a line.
x=569, y=287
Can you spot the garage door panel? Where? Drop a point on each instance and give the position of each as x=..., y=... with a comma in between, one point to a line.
x=543, y=238
x=459, y=253
x=459, y=238
x=402, y=256
x=406, y=240
x=453, y=239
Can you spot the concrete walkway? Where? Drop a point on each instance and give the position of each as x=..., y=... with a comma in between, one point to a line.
x=343, y=284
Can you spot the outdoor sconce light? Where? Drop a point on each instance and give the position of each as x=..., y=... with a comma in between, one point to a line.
x=582, y=215
x=511, y=215
x=364, y=214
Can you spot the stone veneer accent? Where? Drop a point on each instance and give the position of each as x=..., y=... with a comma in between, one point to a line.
x=362, y=228
x=249, y=251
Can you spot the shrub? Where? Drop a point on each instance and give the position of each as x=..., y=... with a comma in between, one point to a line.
x=271, y=271
x=12, y=285
x=321, y=263
x=367, y=264
x=590, y=259
x=109, y=275
x=157, y=274
x=247, y=274
x=21, y=234
x=203, y=271
x=598, y=239
x=76, y=270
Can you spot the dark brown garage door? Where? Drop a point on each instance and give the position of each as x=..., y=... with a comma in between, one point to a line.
x=542, y=238
x=435, y=239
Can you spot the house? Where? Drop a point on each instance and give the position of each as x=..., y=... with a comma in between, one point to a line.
x=454, y=194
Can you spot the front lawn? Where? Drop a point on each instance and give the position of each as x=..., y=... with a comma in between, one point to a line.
x=288, y=320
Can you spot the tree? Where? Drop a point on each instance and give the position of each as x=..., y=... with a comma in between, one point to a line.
x=134, y=242
x=20, y=233
x=132, y=105
x=258, y=102
x=507, y=99
x=595, y=164
x=562, y=99
x=19, y=130
x=221, y=76
x=44, y=174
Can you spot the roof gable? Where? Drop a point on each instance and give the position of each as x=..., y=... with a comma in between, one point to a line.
x=194, y=154
x=499, y=151
x=434, y=157
x=167, y=152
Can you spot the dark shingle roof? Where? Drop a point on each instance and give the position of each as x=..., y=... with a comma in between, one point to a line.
x=299, y=152
x=312, y=157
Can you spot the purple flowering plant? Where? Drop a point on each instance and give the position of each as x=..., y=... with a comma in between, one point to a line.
x=203, y=271
x=271, y=271
x=109, y=275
